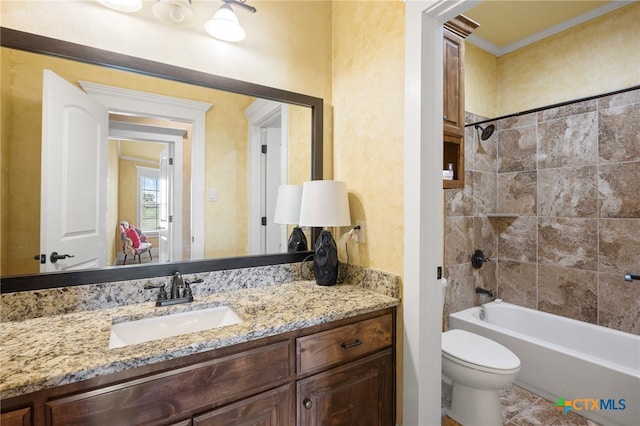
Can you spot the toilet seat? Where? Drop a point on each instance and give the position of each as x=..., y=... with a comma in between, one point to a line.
x=478, y=352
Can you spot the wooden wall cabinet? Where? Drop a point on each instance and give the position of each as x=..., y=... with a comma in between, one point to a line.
x=346, y=370
x=454, y=33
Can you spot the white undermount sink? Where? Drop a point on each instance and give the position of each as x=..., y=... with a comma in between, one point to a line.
x=145, y=330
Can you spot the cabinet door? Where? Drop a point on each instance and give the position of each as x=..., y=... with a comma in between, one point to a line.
x=20, y=417
x=453, y=50
x=272, y=408
x=358, y=393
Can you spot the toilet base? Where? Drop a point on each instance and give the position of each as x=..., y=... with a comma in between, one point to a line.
x=477, y=407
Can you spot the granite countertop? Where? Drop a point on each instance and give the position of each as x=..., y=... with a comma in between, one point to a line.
x=55, y=350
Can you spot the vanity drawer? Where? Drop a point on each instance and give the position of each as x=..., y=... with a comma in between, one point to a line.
x=176, y=395
x=343, y=344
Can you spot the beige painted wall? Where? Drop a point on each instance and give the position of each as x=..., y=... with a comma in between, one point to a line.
x=368, y=93
x=480, y=81
x=596, y=57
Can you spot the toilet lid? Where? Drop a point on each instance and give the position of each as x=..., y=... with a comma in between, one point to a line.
x=478, y=350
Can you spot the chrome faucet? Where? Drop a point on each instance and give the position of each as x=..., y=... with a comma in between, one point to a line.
x=174, y=297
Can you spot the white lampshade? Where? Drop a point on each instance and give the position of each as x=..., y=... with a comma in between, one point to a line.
x=175, y=12
x=288, y=204
x=324, y=203
x=225, y=26
x=123, y=5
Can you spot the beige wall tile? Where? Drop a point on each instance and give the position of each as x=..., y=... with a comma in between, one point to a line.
x=517, y=283
x=517, y=193
x=619, y=130
x=619, y=246
x=568, y=142
x=568, y=110
x=568, y=192
x=517, y=149
x=484, y=193
x=568, y=242
x=568, y=292
x=619, y=303
x=619, y=190
x=517, y=239
x=458, y=234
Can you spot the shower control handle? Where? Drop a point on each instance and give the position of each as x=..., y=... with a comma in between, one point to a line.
x=631, y=277
x=478, y=259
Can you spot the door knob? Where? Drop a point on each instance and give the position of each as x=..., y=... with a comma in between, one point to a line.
x=55, y=256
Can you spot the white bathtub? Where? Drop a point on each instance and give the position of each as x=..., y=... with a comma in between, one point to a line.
x=562, y=357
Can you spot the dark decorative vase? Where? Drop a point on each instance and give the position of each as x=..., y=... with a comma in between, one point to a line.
x=297, y=241
x=325, y=261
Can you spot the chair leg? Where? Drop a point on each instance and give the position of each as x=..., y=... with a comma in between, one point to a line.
x=125, y=259
x=150, y=257
x=139, y=258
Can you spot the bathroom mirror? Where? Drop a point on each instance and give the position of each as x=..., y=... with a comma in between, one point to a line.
x=28, y=42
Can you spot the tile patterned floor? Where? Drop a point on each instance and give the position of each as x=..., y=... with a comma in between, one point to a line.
x=522, y=408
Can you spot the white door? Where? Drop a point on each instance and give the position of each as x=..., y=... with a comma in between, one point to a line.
x=271, y=179
x=74, y=177
x=165, y=230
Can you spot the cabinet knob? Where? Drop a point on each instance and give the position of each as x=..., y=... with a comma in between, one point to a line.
x=307, y=403
x=444, y=118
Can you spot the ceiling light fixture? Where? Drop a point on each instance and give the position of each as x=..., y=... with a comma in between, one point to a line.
x=123, y=5
x=225, y=25
x=175, y=12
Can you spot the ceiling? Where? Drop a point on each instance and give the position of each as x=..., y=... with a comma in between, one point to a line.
x=509, y=25
x=146, y=152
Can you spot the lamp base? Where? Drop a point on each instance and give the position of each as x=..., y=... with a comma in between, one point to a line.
x=325, y=261
x=297, y=241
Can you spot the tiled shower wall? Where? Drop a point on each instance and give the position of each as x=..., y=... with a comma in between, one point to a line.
x=570, y=179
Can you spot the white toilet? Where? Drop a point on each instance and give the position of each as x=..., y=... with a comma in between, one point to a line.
x=476, y=368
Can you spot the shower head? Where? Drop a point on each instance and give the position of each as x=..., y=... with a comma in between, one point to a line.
x=486, y=131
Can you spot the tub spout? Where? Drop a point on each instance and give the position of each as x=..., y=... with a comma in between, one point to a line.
x=480, y=290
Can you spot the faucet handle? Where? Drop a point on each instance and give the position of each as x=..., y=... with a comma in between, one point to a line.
x=162, y=294
x=187, y=289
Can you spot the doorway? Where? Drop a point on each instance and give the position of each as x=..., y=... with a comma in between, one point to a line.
x=268, y=169
x=153, y=147
x=188, y=231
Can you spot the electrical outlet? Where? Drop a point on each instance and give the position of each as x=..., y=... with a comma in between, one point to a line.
x=360, y=233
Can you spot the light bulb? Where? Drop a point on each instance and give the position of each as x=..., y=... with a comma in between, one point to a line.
x=225, y=26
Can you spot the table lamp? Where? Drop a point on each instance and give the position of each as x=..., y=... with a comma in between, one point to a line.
x=325, y=203
x=288, y=213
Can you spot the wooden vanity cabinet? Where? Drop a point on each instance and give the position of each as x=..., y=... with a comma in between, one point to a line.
x=454, y=34
x=345, y=367
x=360, y=388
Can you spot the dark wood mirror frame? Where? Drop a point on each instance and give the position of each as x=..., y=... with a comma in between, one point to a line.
x=48, y=46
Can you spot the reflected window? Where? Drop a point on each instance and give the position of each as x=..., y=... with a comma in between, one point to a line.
x=148, y=199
